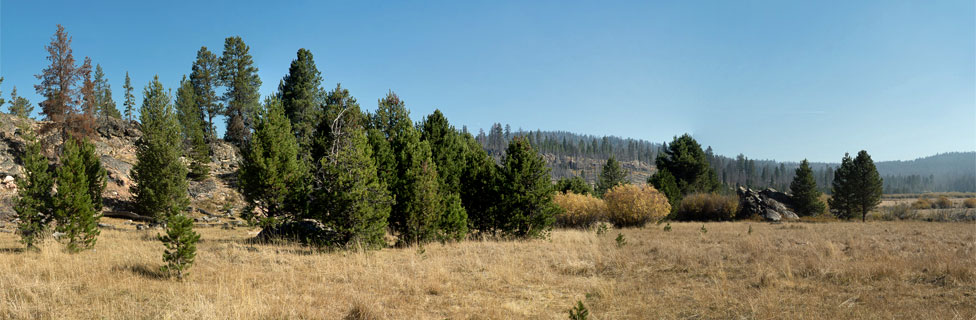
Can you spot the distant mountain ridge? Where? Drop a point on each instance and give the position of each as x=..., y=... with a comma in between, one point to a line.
x=572, y=154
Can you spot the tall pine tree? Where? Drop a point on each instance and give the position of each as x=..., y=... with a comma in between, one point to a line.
x=75, y=214
x=239, y=75
x=272, y=177
x=130, y=101
x=34, y=200
x=806, y=195
x=205, y=76
x=611, y=176
x=856, y=188
x=103, y=96
x=191, y=121
x=685, y=160
x=526, y=208
x=301, y=95
x=160, y=178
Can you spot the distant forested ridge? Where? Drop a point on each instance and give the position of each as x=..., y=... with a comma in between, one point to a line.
x=572, y=154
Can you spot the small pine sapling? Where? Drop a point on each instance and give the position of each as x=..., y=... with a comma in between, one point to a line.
x=667, y=227
x=621, y=241
x=578, y=312
x=180, y=241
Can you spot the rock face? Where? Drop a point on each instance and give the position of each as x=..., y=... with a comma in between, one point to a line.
x=768, y=204
x=115, y=144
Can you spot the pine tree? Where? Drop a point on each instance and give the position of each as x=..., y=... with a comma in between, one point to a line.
x=611, y=176
x=240, y=76
x=349, y=196
x=856, y=188
x=301, y=93
x=806, y=196
x=180, y=242
x=272, y=177
x=575, y=185
x=453, y=222
x=191, y=121
x=205, y=76
x=94, y=172
x=74, y=211
x=479, y=188
x=447, y=147
x=341, y=113
x=130, y=101
x=685, y=160
x=19, y=106
x=59, y=85
x=526, y=208
x=418, y=197
x=34, y=200
x=665, y=182
x=159, y=176
x=103, y=96
x=83, y=123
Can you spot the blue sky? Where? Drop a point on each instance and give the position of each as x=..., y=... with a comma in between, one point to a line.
x=771, y=79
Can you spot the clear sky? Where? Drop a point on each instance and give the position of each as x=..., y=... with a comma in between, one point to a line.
x=782, y=80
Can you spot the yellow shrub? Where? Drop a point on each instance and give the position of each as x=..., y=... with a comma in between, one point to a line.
x=708, y=206
x=943, y=202
x=969, y=203
x=922, y=203
x=632, y=205
x=579, y=211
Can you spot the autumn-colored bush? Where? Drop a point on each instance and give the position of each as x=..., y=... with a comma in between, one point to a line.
x=632, y=205
x=969, y=203
x=708, y=206
x=922, y=203
x=579, y=211
x=943, y=202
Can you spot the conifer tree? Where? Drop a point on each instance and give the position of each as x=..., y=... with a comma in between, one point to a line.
x=611, y=176
x=856, y=188
x=74, y=212
x=301, y=93
x=806, y=195
x=159, y=176
x=63, y=103
x=272, y=177
x=103, y=96
x=526, y=208
x=19, y=106
x=130, y=102
x=239, y=75
x=94, y=172
x=191, y=122
x=663, y=181
x=341, y=113
x=453, y=221
x=349, y=195
x=447, y=148
x=83, y=123
x=479, y=188
x=685, y=160
x=575, y=185
x=181, y=244
x=1, y=93
x=419, y=205
x=34, y=200
x=205, y=76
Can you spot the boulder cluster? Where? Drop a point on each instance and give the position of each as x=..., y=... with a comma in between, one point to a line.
x=769, y=204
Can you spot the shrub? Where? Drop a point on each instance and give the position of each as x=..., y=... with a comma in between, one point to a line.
x=943, y=203
x=922, y=203
x=969, y=203
x=579, y=210
x=633, y=205
x=708, y=206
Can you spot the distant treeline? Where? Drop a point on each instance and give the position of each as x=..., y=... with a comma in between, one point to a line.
x=946, y=172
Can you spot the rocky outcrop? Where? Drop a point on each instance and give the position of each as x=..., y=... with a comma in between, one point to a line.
x=115, y=141
x=768, y=204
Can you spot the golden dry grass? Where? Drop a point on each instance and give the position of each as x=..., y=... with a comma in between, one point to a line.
x=834, y=270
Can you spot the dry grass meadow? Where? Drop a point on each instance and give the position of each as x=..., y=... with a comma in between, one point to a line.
x=837, y=270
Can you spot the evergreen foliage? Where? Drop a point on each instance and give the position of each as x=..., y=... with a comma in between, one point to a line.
x=453, y=222
x=525, y=188
x=204, y=77
x=129, y=101
x=575, y=185
x=611, y=176
x=340, y=115
x=103, y=96
x=301, y=94
x=239, y=75
x=94, y=172
x=663, y=180
x=180, y=242
x=191, y=121
x=272, y=177
x=447, y=147
x=686, y=161
x=418, y=206
x=34, y=199
x=19, y=106
x=857, y=187
x=349, y=196
x=159, y=176
x=74, y=211
x=479, y=188
x=806, y=196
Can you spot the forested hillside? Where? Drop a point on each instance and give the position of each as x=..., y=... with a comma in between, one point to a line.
x=572, y=154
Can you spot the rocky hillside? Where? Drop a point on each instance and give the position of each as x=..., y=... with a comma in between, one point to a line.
x=213, y=200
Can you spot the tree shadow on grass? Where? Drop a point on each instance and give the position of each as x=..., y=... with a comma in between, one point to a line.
x=12, y=250
x=144, y=271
